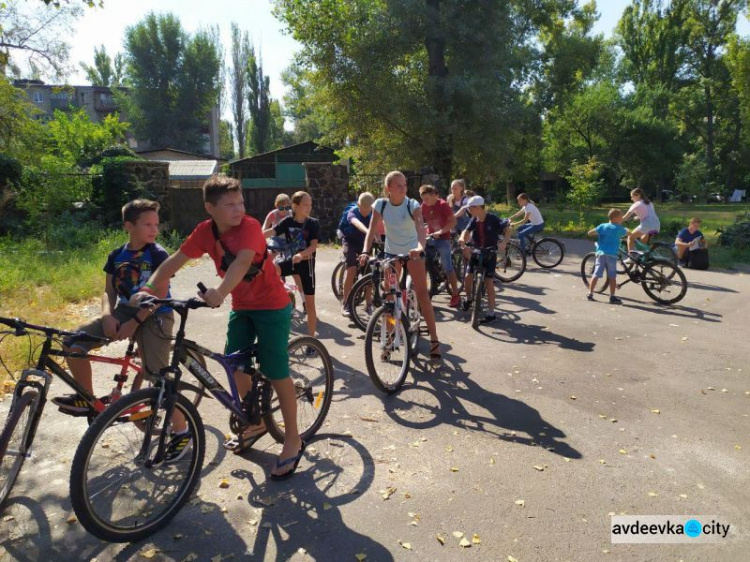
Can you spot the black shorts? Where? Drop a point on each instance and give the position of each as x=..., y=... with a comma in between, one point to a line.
x=352, y=250
x=490, y=262
x=306, y=271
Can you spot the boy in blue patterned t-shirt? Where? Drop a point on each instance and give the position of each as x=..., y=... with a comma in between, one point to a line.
x=609, y=234
x=128, y=268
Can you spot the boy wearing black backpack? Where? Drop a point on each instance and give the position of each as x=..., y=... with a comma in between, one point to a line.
x=354, y=226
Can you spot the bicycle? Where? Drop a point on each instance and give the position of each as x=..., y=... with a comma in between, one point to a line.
x=479, y=288
x=662, y=281
x=437, y=279
x=367, y=293
x=337, y=277
x=660, y=250
x=511, y=264
x=122, y=490
x=548, y=252
x=394, y=327
x=30, y=392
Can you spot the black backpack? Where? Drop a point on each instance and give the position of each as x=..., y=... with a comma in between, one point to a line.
x=229, y=257
x=698, y=259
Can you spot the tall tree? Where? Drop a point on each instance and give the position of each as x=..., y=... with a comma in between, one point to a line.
x=174, y=79
x=238, y=85
x=33, y=38
x=105, y=71
x=259, y=104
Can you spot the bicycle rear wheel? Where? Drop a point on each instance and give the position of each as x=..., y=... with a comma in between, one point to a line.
x=337, y=279
x=387, y=349
x=548, y=253
x=510, y=266
x=664, y=282
x=14, y=441
x=117, y=493
x=588, y=265
x=311, y=371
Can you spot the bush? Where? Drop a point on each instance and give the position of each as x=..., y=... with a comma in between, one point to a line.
x=736, y=235
x=10, y=171
x=113, y=187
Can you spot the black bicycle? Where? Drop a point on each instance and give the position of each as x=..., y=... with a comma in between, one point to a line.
x=479, y=288
x=32, y=387
x=437, y=279
x=511, y=263
x=367, y=293
x=547, y=252
x=663, y=281
x=121, y=485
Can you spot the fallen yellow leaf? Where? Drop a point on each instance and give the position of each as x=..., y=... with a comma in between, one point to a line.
x=458, y=534
x=454, y=469
x=361, y=557
x=522, y=503
x=440, y=539
x=653, y=494
x=464, y=543
x=511, y=559
x=539, y=468
x=150, y=553
x=623, y=452
x=388, y=492
x=327, y=506
x=475, y=539
x=224, y=483
x=492, y=460
x=573, y=398
x=405, y=545
x=656, y=411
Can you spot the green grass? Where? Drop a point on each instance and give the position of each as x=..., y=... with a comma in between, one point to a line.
x=566, y=221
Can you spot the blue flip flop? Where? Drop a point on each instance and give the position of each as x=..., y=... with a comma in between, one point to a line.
x=294, y=461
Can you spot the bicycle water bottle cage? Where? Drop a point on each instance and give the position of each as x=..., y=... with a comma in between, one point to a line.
x=228, y=257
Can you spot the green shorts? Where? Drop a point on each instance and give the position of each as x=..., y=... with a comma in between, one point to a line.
x=271, y=329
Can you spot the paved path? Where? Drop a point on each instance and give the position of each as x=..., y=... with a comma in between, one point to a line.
x=494, y=445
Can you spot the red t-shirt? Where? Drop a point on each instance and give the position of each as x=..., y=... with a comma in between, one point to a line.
x=266, y=291
x=436, y=217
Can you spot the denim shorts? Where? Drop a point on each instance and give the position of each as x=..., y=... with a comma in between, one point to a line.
x=605, y=262
x=443, y=247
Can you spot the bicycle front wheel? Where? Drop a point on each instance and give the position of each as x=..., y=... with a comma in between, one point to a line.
x=311, y=371
x=14, y=441
x=479, y=291
x=118, y=493
x=361, y=301
x=548, y=253
x=664, y=282
x=510, y=266
x=387, y=349
x=337, y=279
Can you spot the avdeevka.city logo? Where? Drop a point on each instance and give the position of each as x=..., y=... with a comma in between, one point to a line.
x=668, y=529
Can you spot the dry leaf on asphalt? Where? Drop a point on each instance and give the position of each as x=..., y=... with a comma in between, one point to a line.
x=653, y=494
x=327, y=506
x=656, y=411
x=72, y=519
x=458, y=534
x=511, y=559
x=405, y=545
x=224, y=483
x=361, y=557
x=475, y=539
x=454, y=469
x=440, y=539
x=464, y=543
x=540, y=468
x=522, y=503
x=388, y=492
x=150, y=553
x=623, y=452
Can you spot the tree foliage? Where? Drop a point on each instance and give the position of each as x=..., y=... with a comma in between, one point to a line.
x=105, y=71
x=174, y=79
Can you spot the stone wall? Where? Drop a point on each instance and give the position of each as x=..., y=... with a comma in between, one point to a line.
x=328, y=185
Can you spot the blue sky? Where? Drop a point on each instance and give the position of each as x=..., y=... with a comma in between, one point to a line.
x=107, y=27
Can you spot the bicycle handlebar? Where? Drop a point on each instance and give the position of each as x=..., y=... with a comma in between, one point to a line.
x=21, y=328
x=190, y=304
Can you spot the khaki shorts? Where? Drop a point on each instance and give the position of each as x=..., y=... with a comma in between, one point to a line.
x=153, y=337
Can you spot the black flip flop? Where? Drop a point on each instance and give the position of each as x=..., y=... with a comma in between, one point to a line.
x=294, y=461
x=238, y=445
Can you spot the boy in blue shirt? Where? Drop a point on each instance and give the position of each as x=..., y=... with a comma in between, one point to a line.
x=688, y=239
x=607, y=246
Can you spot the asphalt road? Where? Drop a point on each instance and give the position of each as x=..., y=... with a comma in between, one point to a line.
x=537, y=429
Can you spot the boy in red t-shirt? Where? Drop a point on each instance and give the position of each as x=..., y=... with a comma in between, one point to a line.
x=260, y=308
x=439, y=218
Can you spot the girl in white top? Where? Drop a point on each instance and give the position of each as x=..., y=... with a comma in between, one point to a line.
x=642, y=208
x=531, y=215
x=458, y=200
x=404, y=233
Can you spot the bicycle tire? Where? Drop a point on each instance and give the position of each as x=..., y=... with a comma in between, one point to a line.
x=588, y=264
x=459, y=266
x=658, y=276
x=122, y=416
x=358, y=303
x=312, y=404
x=512, y=265
x=15, y=442
x=478, y=293
x=337, y=279
x=413, y=315
x=387, y=384
x=548, y=253
x=664, y=251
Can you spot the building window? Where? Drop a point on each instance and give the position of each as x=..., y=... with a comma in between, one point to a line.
x=38, y=97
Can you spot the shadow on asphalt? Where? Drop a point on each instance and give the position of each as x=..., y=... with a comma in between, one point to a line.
x=705, y=287
x=671, y=310
x=304, y=512
x=508, y=328
x=436, y=398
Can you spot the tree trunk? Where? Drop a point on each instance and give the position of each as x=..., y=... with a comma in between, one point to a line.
x=436, y=86
x=510, y=192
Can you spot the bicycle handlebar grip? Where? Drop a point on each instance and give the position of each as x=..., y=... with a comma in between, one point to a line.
x=202, y=287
